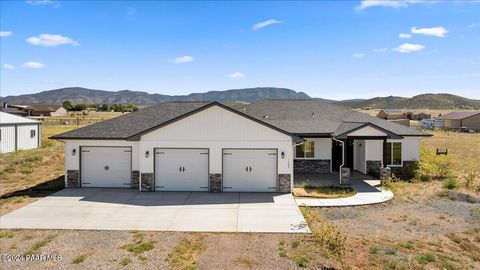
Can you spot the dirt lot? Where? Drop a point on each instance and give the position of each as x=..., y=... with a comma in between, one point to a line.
x=420, y=229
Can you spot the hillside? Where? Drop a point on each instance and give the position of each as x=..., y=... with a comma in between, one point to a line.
x=430, y=101
x=90, y=96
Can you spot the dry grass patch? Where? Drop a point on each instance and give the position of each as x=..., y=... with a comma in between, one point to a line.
x=245, y=262
x=39, y=244
x=323, y=192
x=185, y=254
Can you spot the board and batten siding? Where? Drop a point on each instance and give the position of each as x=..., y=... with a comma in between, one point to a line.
x=17, y=137
x=216, y=128
x=25, y=140
x=410, y=149
x=7, y=142
x=323, y=148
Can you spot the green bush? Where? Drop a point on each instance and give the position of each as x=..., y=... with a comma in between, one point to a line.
x=425, y=258
x=433, y=166
x=451, y=183
x=389, y=183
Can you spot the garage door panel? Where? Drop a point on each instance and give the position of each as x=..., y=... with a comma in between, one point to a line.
x=249, y=170
x=106, y=167
x=181, y=169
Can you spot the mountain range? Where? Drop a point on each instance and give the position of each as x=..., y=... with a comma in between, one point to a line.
x=90, y=96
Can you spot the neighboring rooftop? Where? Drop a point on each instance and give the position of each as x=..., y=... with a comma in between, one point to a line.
x=458, y=115
x=7, y=118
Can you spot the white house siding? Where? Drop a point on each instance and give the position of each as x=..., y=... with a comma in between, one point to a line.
x=216, y=128
x=7, y=143
x=25, y=141
x=366, y=131
x=374, y=150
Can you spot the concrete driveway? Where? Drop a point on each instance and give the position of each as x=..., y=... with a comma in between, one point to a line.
x=126, y=209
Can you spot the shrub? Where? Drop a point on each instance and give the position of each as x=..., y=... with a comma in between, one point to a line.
x=26, y=170
x=388, y=184
x=328, y=237
x=125, y=261
x=425, y=258
x=432, y=166
x=374, y=250
x=451, y=183
x=471, y=178
x=301, y=260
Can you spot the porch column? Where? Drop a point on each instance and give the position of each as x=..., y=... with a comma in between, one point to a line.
x=384, y=151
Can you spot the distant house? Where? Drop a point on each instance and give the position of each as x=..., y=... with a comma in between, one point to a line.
x=395, y=114
x=457, y=120
x=18, y=133
x=41, y=109
x=16, y=111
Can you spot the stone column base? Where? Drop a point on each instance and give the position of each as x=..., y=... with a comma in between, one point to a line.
x=215, y=180
x=147, y=182
x=284, y=183
x=73, y=179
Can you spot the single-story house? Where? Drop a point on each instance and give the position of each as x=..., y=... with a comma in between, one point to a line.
x=395, y=114
x=18, y=133
x=207, y=146
x=458, y=120
x=41, y=109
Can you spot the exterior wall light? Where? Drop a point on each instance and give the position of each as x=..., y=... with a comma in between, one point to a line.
x=282, y=155
x=74, y=152
x=147, y=154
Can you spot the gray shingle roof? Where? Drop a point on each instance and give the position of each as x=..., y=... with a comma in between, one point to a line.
x=293, y=117
x=126, y=126
x=132, y=126
x=313, y=116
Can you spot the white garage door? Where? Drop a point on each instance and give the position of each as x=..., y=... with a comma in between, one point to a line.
x=106, y=166
x=249, y=170
x=181, y=169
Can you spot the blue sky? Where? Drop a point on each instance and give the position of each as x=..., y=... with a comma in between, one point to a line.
x=338, y=50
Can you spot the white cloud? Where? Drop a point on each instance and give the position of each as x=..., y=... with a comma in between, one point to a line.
x=182, y=59
x=33, y=65
x=386, y=3
x=237, y=75
x=433, y=31
x=404, y=36
x=263, y=24
x=473, y=25
x=408, y=48
x=8, y=66
x=471, y=75
x=55, y=4
x=358, y=55
x=5, y=33
x=380, y=50
x=50, y=40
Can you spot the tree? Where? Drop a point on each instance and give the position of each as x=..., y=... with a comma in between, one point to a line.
x=80, y=107
x=105, y=107
x=67, y=104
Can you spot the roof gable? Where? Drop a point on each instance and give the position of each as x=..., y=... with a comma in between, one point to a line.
x=7, y=118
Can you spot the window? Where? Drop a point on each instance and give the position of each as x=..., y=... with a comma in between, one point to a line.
x=393, y=153
x=32, y=133
x=305, y=150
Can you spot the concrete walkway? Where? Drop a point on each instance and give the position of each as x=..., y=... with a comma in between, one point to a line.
x=127, y=209
x=367, y=193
